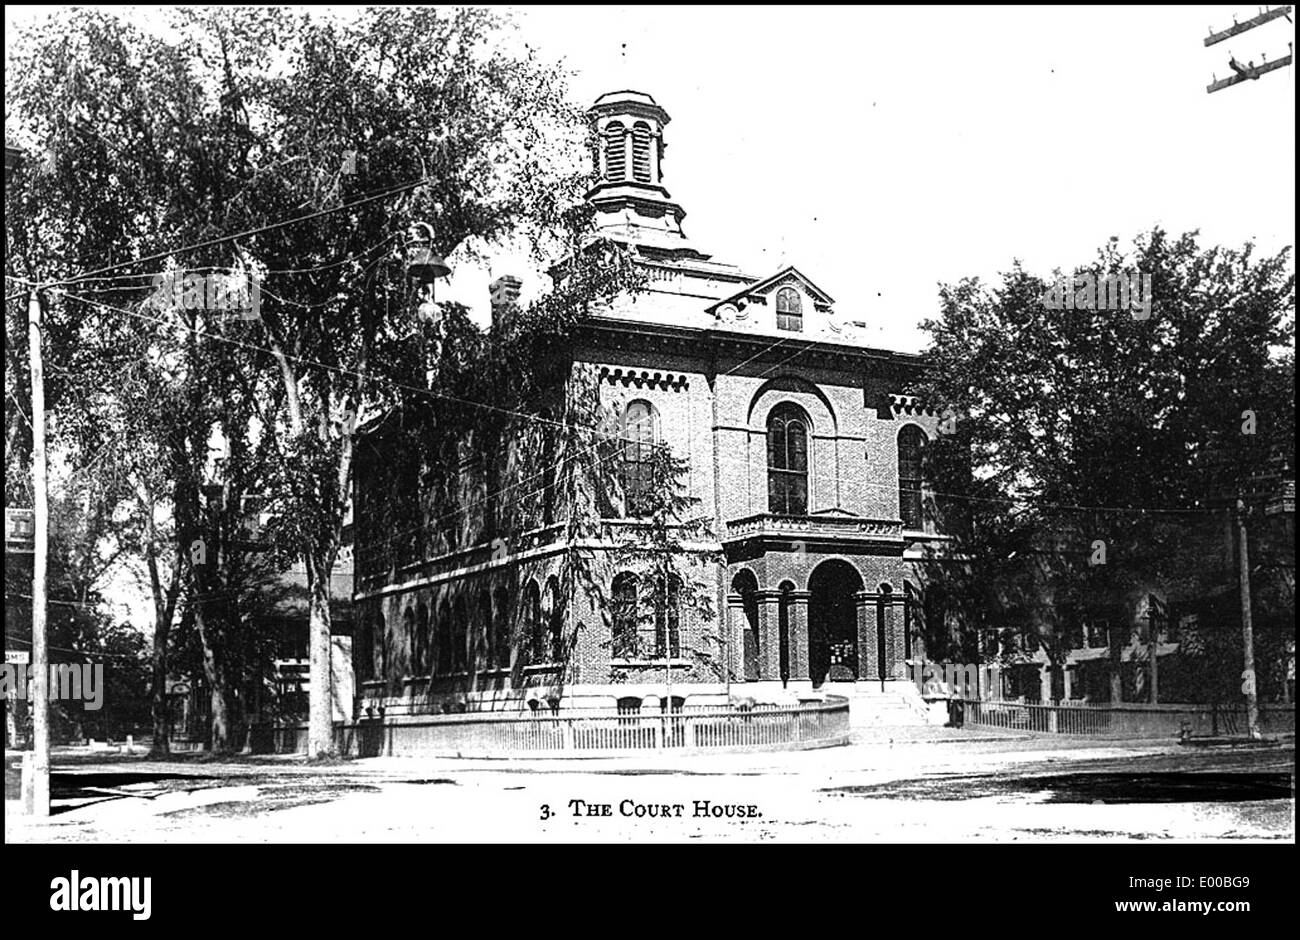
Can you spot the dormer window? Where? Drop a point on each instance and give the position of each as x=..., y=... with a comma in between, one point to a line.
x=615, y=152
x=789, y=310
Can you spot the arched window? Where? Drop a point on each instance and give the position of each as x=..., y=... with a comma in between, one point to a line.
x=641, y=152
x=624, y=613
x=412, y=640
x=482, y=658
x=459, y=637
x=911, y=450
x=532, y=623
x=615, y=152
x=546, y=454
x=629, y=706
x=789, y=310
x=787, y=461
x=500, y=642
x=420, y=659
x=554, y=621
x=442, y=635
x=667, y=608
x=379, y=648
x=640, y=434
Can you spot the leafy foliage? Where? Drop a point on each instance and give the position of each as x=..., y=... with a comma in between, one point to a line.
x=1080, y=428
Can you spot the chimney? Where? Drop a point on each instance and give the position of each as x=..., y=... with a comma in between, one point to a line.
x=505, y=301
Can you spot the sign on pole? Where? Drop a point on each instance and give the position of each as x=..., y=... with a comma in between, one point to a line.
x=20, y=530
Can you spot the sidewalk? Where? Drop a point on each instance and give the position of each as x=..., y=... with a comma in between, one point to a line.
x=870, y=749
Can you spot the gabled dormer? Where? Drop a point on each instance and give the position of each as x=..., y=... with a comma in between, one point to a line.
x=786, y=302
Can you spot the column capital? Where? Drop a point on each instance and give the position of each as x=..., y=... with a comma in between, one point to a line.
x=870, y=597
x=772, y=596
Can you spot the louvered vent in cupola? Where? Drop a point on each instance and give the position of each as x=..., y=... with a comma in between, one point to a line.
x=615, y=152
x=641, y=152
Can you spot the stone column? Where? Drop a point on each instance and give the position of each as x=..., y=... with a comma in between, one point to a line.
x=1045, y=683
x=1066, y=691
x=769, y=634
x=894, y=666
x=867, y=653
x=896, y=624
x=799, y=668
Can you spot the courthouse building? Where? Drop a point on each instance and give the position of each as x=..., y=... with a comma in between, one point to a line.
x=803, y=456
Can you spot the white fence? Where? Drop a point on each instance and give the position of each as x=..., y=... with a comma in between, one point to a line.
x=560, y=734
x=1128, y=719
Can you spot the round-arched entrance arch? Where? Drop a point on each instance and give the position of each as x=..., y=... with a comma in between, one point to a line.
x=833, y=622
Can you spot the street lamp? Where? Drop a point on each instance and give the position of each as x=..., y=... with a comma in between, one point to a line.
x=424, y=266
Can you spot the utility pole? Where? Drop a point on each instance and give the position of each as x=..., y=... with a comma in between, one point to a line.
x=1247, y=632
x=1249, y=71
x=36, y=785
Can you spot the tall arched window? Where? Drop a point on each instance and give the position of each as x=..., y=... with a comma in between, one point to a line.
x=420, y=661
x=482, y=658
x=442, y=635
x=546, y=454
x=459, y=636
x=640, y=434
x=379, y=648
x=787, y=461
x=554, y=621
x=624, y=613
x=911, y=450
x=789, y=310
x=667, y=615
x=500, y=647
x=615, y=152
x=532, y=620
x=641, y=152
x=412, y=640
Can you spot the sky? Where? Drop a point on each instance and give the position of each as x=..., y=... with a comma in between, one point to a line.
x=886, y=150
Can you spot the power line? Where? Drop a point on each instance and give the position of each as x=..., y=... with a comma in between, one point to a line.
x=225, y=238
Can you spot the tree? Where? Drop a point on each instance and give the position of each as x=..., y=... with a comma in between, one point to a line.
x=244, y=119
x=1090, y=444
x=663, y=550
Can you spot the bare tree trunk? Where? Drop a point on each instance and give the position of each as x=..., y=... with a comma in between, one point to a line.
x=215, y=674
x=164, y=605
x=320, y=724
x=161, y=714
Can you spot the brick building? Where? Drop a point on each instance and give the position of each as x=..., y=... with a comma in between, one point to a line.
x=802, y=455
